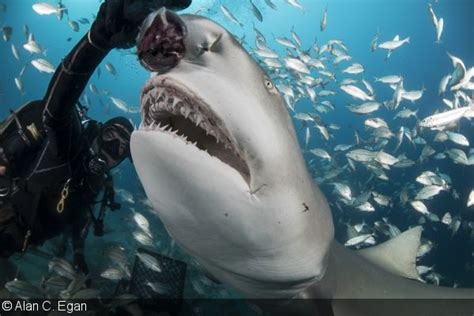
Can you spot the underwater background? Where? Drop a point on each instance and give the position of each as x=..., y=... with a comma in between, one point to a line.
x=422, y=63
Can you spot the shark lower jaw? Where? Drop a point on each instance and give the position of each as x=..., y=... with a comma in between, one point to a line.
x=174, y=109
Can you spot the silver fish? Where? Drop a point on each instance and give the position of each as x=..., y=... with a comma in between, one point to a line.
x=73, y=25
x=229, y=16
x=256, y=12
x=23, y=289
x=110, y=68
x=150, y=262
x=113, y=274
x=62, y=268
x=324, y=21
x=356, y=93
x=15, y=52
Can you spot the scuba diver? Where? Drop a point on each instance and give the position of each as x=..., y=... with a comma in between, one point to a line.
x=53, y=162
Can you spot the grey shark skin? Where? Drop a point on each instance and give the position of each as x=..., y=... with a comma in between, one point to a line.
x=250, y=214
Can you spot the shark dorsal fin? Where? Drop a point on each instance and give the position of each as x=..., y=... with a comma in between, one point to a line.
x=396, y=38
x=397, y=255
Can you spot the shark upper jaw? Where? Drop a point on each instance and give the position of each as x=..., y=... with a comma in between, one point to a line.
x=170, y=107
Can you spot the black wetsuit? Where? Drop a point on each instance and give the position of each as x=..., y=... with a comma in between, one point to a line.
x=55, y=161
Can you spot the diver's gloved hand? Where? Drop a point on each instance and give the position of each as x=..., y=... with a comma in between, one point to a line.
x=97, y=166
x=117, y=23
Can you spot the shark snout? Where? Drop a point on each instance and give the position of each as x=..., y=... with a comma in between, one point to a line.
x=161, y=42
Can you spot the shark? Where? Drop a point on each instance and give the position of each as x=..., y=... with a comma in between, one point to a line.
x=219, y=160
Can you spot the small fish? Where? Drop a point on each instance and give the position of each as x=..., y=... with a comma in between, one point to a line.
x=343, y=190
x=56, y=283
x=296, y=38
x=307, y=136
x=356, y=93
x=321, y=153
x=470, y=199
x=443, y=84
x=61, y=10
x=23, y=289
x=7, y=33
x=341, y=58
x=361, y=155
x=428, y=192
x=94, y=89
x=149, y=261
x=110, y=68
x=295, y=4
x=160, y=288
x=19, y=85
x=73, y=25
x=26, y=31
x=368, y=87
x=381, y=199
x=22, y=71
x=365, y=108
x=270, y=4
x=354, y=69
x=143, y=238
x=439, y=30
x=120, y=104
x=389, y=79
x=43, y=65
x=367, y=238
x=413, y=96
x=374, y=42
x=296, y=65
x=457, y=138
x=324, y=20
x=420, y=207
x=44, y=8
x=385, y=158
x=266, y=53
x=113, y=274
x=15, y=52
x=256, y=12
x=229, y=16
x=394, y=44
x=33, y=47
x=83, y=21
x=366, y=207
x=448, y=117
x=62, y=268
x=141, y=221
x=342, y=147
x=425, y=248
x=405, y=114
x=375, y=122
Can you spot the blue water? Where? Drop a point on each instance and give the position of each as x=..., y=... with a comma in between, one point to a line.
x=422, y=63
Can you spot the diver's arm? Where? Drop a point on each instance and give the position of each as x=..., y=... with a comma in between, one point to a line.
x=69, y=81
x=116, y=26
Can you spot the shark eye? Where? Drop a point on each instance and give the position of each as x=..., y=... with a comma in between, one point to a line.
x=269, y=84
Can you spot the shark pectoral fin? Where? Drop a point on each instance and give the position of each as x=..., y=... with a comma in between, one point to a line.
x=397, y=255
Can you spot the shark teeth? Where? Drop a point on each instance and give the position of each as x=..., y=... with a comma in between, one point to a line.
x=160, y=102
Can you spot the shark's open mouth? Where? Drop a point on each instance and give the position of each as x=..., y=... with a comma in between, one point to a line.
x=171, y=110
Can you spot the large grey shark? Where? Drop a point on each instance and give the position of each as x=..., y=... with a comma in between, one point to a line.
x=218, y=157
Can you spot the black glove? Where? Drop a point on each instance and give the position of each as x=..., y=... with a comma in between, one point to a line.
x=97, y=166
x=117, y=23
